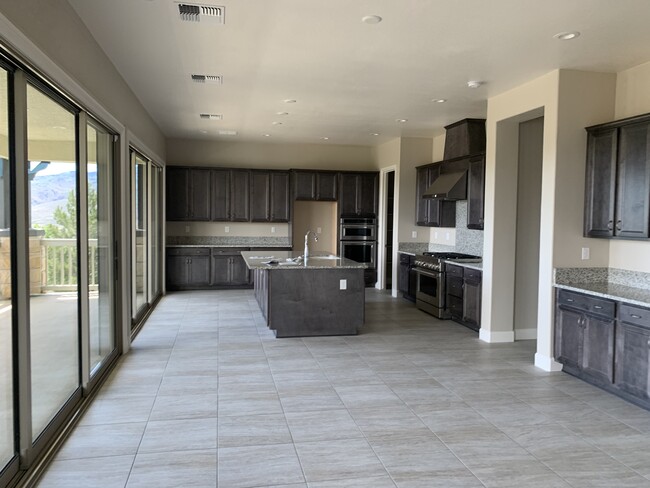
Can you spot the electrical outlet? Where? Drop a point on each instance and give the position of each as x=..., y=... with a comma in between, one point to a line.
x=187, y=228
x=343, y=284
x=319, y=230
x=272, y=230
x=414, y=234
x=435, y=235
x=447, y=236
x=585, y=253
x=226, y=229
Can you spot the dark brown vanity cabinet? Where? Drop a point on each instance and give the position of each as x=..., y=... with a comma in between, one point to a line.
x=318, y=186
x=617, y=193
x=584, y=335
x=432, y=212
x=270, y=196
x=187, y=268
x=358, y=194
x=188, y=194
x=632, y=373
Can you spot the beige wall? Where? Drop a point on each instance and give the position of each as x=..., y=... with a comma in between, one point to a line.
x=312, y=216
x=54, y=27
x=438, y=153
x=632, y=98
x=235, y=229
x=269, y=155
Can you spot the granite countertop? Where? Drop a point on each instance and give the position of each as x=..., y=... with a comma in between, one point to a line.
x=407, y=252
x=613, y=291
x=466, y=263
x=317, y=260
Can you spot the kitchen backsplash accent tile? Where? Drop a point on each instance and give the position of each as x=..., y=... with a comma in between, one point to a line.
x=468, y=241
x=636, y=279
x=235, y=241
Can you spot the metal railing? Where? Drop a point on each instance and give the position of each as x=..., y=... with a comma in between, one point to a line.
x=59, y=264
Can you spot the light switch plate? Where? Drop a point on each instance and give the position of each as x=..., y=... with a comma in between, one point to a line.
x=585, y=253
x=414, y=234
x=447, y=236
x=319, y=230
x=272, y=230
x=343, y=284
x=226, y=229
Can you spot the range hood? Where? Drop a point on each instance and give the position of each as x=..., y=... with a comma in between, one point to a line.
x=449, y=186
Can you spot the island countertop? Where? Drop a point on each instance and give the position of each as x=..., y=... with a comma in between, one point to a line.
x=289, y=260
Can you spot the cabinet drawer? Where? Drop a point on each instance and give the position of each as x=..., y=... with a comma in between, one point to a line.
x=634, y=315
x=188, y=251
x=600, y=306
x=454, y=270
x=404, y=259
x=227, y=251
x=473, y=274
x=455, y=286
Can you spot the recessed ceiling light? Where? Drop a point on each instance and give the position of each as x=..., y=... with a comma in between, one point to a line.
x=275, y=122
x=325, y=138
x=567, y=36
x=371, y=19
x=439, y=100
x=374, y=133
x=474, y=83
x=281, y=113
x=401, y=120
x=266, y=135
x=290, y=100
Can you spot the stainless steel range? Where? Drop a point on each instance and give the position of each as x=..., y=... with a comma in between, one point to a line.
x=430, y=291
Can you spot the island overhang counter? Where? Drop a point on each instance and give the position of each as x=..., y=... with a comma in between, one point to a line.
x=321, y=296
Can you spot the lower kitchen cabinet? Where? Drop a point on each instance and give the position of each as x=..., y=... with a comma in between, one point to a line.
x=604, y=342
x=406, y=276
x=463, y=295
x=188, y=268
x=229, y=269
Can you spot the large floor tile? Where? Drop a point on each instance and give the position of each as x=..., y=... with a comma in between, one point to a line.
x=179, y=435
x=246, y=467
x=253, y=430
x=101, y=472
x=88, y=441
x=191, y=469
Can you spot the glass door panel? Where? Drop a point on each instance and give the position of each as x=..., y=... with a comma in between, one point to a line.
x=156, y=232
x=140, y=232
x=7, y=446
x=53, y=251
x=100, y=245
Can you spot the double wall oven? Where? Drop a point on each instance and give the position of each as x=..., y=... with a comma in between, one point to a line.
x=430, y=294
x=358, y=242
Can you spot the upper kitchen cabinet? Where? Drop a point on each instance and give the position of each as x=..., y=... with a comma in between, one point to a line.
x=358, y=194
x=230, y=190
x=315, y=185
x=476, y=192
x=188, y=194
x=617, y=193
x=270, y=196
x=464, y=138
x=431, y=212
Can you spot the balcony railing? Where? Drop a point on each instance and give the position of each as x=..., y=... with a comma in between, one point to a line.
x=59, y=264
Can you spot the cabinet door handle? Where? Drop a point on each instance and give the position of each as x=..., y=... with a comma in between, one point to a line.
x=610, y=225
x=597, y=307
x=619, y=225
x=569, y=299
x=635, y=316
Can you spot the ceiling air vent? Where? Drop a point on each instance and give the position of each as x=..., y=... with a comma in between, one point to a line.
x=211, y=116
x=212, y=79
x=201, y=13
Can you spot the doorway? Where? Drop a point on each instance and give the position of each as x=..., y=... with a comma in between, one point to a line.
x=388, y=237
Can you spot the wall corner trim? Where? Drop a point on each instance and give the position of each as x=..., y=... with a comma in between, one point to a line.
x=546, y=363
x=496, y=336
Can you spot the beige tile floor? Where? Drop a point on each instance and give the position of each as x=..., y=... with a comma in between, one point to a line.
x=208, y=397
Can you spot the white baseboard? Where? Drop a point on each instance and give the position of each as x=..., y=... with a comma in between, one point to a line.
x=525, y=334
x=547, y=363
x=496, y=336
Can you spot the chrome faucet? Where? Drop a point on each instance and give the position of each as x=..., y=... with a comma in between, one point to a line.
x=307, y=242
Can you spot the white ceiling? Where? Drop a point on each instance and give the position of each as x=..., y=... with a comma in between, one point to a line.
x=351, y=79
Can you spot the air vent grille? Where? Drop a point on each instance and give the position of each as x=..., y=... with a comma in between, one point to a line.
x=227, y=132
x=212, y=79
x=201, y=13
x=211, y=116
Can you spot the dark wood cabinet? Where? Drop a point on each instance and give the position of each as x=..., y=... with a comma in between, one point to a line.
x=270, y=196
x=358, y=194
x=188, y=194
x=633, y=351
x=472, y=280
x=617, y=191
x=228, y=268
x=315, y=185
x=188, y=268
x=584, y=335
x=406, y=278
x=476, y=192
x=230, y=195
x=432, y=212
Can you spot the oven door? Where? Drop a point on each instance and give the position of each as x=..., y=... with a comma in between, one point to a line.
x=358, y=232
x=430, y=288
x=359, y=251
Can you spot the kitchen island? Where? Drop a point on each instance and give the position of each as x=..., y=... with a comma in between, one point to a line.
x=321, y=296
